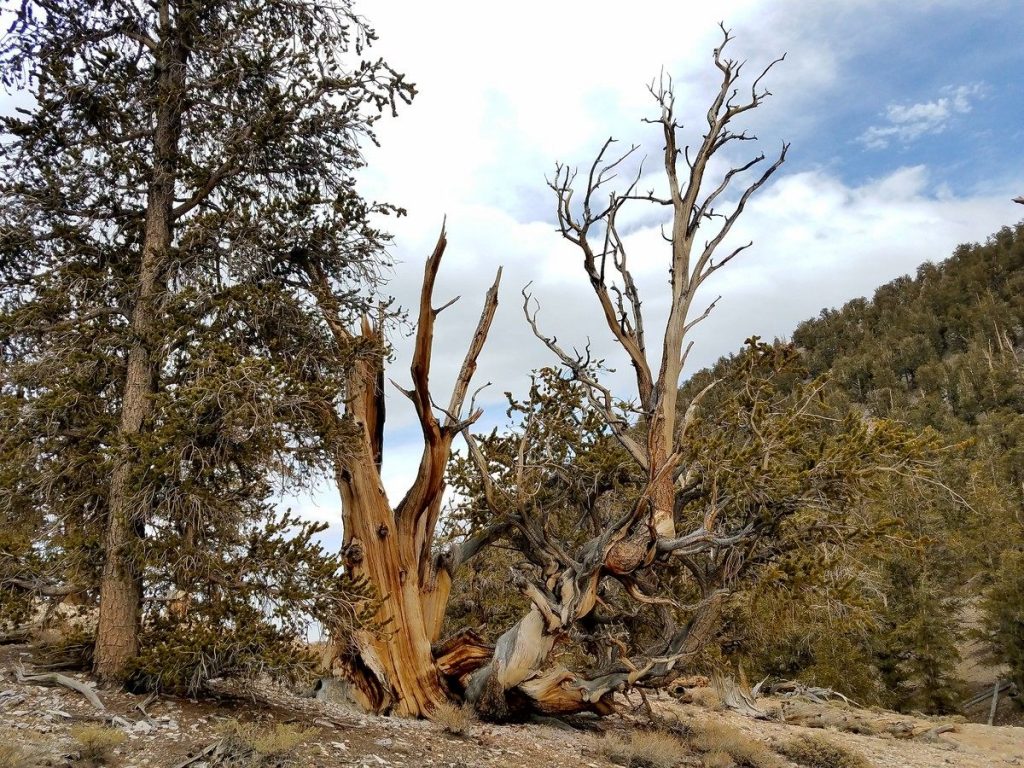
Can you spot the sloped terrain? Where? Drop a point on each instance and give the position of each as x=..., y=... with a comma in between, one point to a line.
x=167, y=732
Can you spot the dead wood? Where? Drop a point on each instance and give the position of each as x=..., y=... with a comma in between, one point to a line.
x=53, y=678
x=462, y=654
x=201, y=755
x=735, y=698
x=16, y=636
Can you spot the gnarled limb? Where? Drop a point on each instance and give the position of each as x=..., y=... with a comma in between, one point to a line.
x=47, y=589
x=518, y=682
x=418, y=511
x=461, y=655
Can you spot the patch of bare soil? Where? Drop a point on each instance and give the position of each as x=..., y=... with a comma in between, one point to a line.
x=885, y=739
x=980, y=674
x=174, y=733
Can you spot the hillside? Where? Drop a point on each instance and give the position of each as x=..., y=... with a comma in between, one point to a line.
x=941, y=352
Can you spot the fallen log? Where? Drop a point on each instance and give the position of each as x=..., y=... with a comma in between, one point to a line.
x=52, y=678
x=202, y=754
x=736, y=699
x=985, y=695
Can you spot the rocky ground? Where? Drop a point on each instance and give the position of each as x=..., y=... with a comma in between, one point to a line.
x=44, y=725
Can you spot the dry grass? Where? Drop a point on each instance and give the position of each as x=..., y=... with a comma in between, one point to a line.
x=715, y=739
x=17, y=754
x=452, y=719
x=717, y=760
x=818, y=752
x=255, y=745
x=96, y=743
x=644, y=749
x=708, y=698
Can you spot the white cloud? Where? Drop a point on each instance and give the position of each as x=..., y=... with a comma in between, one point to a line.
x=818, y=242
x=907, y=122
x=502, y=97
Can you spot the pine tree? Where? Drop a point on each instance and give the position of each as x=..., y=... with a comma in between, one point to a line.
x=180, y=159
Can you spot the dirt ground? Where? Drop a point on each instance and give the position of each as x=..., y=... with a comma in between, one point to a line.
x=173, y=732
x=979, y=674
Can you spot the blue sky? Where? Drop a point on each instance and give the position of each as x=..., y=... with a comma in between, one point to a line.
x=906, y=121
x=927, y=56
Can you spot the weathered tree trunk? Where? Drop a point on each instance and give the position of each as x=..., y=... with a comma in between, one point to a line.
x=117, y=636
x=518, y=680
x=392, y=670
x=395, y=670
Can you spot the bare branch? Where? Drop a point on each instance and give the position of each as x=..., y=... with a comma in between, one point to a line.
x=634, y=591
x=598, y=395
x=627, y=330
x=701, y=317
x=483, y=470
x=53, y=678
x=48, y=590
x=445, y=306
x=709, y=249
x=705, y=207
x=424, y=343
x=476, y=345
x=461, y=553
x=701, y=540
x=225, y=170
x=691, y=411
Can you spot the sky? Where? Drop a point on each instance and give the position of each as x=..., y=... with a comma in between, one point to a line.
x=906, y=124
x=906, y=121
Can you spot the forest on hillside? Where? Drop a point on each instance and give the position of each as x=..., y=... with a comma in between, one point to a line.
x=940, y=351
x=193, y=319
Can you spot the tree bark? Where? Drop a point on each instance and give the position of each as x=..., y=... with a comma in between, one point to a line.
x=392, y=670
x=117, y=636
x=395, y=670
x=519, y=682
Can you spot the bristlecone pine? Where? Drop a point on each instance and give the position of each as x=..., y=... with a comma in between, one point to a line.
x=705, y=517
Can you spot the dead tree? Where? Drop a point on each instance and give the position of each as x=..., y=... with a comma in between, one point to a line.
x=519, y=676
x=407, y=668
x=391, y=545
